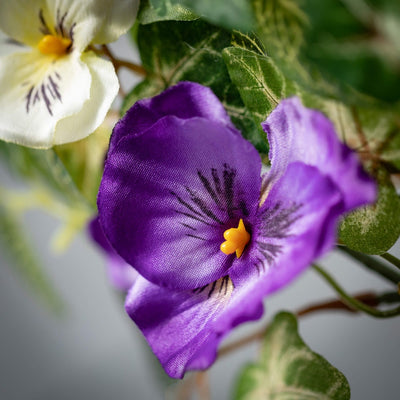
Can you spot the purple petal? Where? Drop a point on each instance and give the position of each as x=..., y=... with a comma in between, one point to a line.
x=166, y=198
x=296, y=133
x=121, y=274
x=296, y=224
x=182, y=327
x=194, y=100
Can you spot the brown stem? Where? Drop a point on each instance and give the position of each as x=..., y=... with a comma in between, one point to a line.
x=367, y=298
x=138, y=69
x=202, y=384
x=185, y=388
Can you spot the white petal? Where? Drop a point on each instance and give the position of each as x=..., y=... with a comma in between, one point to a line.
x=95, y=21
x=20, y=20
x=115, y=17
x=102, y=93
x=36, y=92
x=8, y=45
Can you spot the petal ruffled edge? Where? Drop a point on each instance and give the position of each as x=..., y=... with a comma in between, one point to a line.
x=182, y=327
x=195, y=100
x=297, y=133
x=103, y=90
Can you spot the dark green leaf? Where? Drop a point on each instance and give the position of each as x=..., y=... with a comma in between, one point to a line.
x=192, y=51
x=280, y=25
x=166, y=10
x=16, y=246
x=236, y=14
x=288, y=369
x=351, y=42
x=374, y=229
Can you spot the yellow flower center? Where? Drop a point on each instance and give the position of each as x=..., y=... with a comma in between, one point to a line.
x=50, y=44
x=235, y=240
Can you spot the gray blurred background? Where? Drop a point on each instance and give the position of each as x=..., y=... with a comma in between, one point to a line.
x=96, y=352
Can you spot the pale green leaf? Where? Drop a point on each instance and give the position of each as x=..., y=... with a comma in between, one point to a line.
x=289, y=370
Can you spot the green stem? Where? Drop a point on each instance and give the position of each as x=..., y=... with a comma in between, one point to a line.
x=392, y=259
x=373, y=264
x=354, y=303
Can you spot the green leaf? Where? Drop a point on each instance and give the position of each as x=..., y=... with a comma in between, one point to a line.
x=374, y=229
x=260, y=83
x=166, y=10
x=192, y=51
x=16, y=246
x=288, y=369
x=280, y=25
x=352, y=40
x=233, y=14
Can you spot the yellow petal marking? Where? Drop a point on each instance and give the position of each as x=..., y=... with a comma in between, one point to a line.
x=50, y=44
x=236, y=240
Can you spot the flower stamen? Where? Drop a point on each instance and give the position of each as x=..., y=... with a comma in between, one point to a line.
x=236, y=240
x=50, y=44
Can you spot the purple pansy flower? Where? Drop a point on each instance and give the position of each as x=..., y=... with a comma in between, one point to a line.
x=182, y=200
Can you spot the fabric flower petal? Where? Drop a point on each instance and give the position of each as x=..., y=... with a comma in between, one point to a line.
x=166, y=198
x=297, y=133
x=180, y=327
x=103, y=90
x=36, y=93
x=194, y=101
x=20, y=20
x=93, y=21
x=114, y=18
x=121, y=275
x=296, y=224
x=8, y=46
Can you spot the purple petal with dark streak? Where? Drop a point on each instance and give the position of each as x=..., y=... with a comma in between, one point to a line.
x=297, y=133
x=166, y=198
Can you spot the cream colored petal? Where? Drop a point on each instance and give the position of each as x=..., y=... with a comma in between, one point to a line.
x=8, y=45
x=93, y=21
x=116, y=17
x=36, y=92
x=21, y=20
x=103, y=91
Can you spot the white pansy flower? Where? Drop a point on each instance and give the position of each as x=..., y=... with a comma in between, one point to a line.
x=53, y=89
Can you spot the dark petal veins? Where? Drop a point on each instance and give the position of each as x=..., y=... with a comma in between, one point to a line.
x=155, y=185
x=46, y=93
